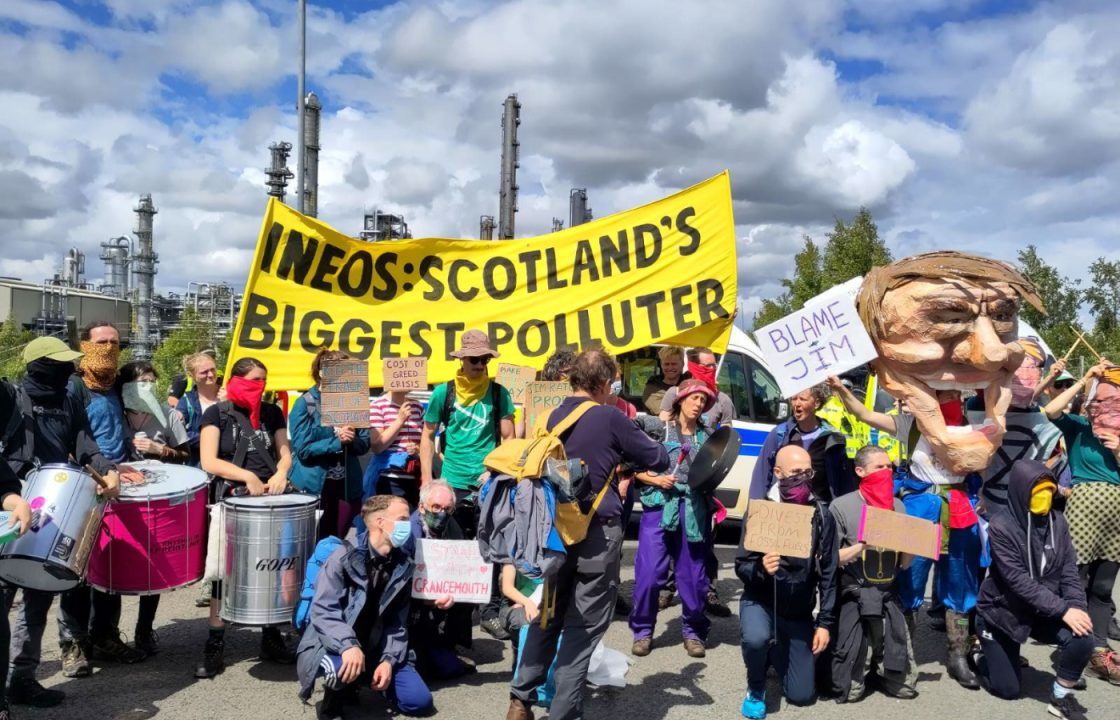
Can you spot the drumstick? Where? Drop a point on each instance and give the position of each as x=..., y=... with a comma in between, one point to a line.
x=1072, y=348
x=97, y=477
x=1082, y=337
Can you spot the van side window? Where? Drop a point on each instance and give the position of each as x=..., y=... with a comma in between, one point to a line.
x=733, y=382
x=765, y=393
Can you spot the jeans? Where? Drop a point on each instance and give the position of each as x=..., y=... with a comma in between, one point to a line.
x=1000, y=672
x=27, y=635
x=791, y=653
x=1099, y=577
x=85, y=613
x=651, y=566
x=146, y=617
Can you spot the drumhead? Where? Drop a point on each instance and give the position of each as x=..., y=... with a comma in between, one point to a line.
x=162, y=481
x=54, y=469
x=271, y=502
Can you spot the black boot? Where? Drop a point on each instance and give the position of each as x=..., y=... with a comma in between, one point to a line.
x=213, y=657
x=331, y=707
x=275, y=647
x=956, y=627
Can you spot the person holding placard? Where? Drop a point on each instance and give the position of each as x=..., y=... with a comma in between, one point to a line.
x=779, y=593
x=396, y=425
x=1033, y=591
x=872, y=639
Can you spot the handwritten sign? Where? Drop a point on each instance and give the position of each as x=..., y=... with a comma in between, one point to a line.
x=514, y=378
x=405, y=374
x=898, y=531
x=345, y=393
x=451, y=567
x=782, y=528
x=541, y=398
x=824, y=338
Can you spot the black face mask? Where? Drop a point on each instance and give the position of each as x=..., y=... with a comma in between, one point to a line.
x=46, y=380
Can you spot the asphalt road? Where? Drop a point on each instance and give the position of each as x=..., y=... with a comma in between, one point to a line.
x=667, y=685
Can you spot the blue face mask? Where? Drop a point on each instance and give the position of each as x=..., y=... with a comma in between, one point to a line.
x=402, y=531
x=616, y=387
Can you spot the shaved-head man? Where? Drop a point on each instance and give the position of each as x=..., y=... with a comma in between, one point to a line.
x=790, y=460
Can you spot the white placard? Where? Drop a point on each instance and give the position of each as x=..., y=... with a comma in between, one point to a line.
x=451, y=567
x=824, y=338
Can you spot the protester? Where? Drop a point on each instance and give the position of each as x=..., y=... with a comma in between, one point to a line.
x=871, y=639
x=11, y=502
x=779, y=593
x=832, y=471
x=1093, y=512
x=243, y=444
x=326, y=460
x=676, y=523
x=436, y=627
x=59, y=431
x=177, y=388
x=1032, y=591
x=586, y=585
x=358, y=629
x=670, y=361
x=203, y=370
x=396, y=425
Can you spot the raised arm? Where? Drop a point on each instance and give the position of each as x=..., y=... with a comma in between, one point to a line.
x=878, y=420
x=1057, y=406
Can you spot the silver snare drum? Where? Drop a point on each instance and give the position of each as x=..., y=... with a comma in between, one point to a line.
x=65, y=518
x=269, y=539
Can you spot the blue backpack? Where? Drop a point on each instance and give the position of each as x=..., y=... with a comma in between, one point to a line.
x=323, y=550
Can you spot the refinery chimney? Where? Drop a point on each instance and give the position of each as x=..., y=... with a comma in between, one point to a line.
x=312, y=110
x=144, y=273
x=278, y=173
x=578, y=212
x=507, y=191
x=116, y=255
x=486, y=227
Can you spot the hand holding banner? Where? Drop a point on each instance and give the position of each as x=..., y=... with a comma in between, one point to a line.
x=451, y=567
x=782, y=528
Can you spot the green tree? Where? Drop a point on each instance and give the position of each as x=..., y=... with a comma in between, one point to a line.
x=194, y=334
x=13, y=338
x=1103, y=299
x=1062, y=300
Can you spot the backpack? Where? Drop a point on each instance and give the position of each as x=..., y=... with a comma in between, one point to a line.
x=495, y=404
x=22, y=423
x=323, y=550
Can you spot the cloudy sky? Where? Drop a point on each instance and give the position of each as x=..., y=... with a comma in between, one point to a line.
x=962, y=124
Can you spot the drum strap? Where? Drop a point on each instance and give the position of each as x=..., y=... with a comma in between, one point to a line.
x=246, y=437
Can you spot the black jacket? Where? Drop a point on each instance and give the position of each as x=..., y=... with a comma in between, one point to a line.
x=33, y=434
x=799, y=581
x=1033, y=575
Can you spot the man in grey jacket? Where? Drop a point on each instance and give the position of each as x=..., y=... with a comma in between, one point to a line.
x=358, y=628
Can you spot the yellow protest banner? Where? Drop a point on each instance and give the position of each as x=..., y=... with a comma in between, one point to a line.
x=662, y=272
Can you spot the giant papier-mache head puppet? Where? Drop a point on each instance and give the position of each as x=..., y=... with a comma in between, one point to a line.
x=1103, y=406
x=945, y=321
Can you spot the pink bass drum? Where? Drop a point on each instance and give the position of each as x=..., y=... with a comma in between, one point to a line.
x=153, y=539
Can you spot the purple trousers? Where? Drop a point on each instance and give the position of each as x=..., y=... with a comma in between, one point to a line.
x=651, y=571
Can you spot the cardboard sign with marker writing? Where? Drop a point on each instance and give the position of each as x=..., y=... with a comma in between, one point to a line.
x=541, y=398
x=514, y=378
x=405, y=374
x=344, y=393
x=782, y=528
x=899, y=531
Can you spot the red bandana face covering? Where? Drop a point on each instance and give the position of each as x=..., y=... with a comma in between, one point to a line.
x=247, y=394
x=706, y=375
x=878, y=489
x=953, y=412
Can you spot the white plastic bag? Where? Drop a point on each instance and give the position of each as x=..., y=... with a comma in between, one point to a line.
x=608, y=667
x=216, y=544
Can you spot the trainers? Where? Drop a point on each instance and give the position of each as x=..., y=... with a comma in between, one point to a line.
x=493, y=628
x=275, y=647
x=74, y=662
x=694, y=648
x=29, y=692
x=754, y=706
x=642, y=647
x=147, y=642
x=715, y=606
x=1103, y=665
x=1066, y=708
x=213, y=659
x=665, y=600
x=113, y=649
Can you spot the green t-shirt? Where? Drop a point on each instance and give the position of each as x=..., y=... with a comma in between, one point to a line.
x=469, y=435
x=1089, y=460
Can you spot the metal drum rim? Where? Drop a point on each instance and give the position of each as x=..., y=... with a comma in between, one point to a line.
x=240, y=504
x=167, y=495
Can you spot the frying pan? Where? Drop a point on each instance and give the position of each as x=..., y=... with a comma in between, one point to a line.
x=714, y=461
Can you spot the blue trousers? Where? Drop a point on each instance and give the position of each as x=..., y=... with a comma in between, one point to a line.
x=958, y=572
x=792, y=654
x=407, y=691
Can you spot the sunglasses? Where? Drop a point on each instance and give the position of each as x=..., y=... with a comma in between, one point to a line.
x=484, y=360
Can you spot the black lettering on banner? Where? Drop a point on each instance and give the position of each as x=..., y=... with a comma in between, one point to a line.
x=529, y=260
x=650, y=303
x=681, y=309
x=297, y=257
x=450, y=330
x=490, y=283
x=453, y=280
x=287, y=326
x=435, y=287
x=560, y=322
x=523, y=338
x=614, y=337
x=616, y=255
x=328, y=265
x=258, y=313
x=500, y=334
x=647, y=245
x=709, y=295
x=586, y=339
x=357, y=347
x=382, y=267
x=585, y=263
x=363, y=261
x=325, y=336
x=416, y=334
x=553, y=282
x=693, y=233
x=270, y=244
x=390, y=338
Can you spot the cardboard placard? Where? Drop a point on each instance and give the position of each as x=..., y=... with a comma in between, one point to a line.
x=782, y=528
x=824, y=338
x=514, y=378
x=405, y=374
x=451, y=567
x=899, y=531
x=344, y=390
x=541, y=398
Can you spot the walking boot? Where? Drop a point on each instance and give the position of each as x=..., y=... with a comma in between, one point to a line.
x=1105, y=666
x=956, y=628
x=519, y=710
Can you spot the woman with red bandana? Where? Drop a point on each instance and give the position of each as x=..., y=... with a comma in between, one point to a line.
x=243, y=443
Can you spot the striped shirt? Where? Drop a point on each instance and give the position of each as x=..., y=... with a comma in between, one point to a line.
x=383, y=413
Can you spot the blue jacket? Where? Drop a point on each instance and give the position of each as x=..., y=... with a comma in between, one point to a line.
x=315, y=448
x=340, y=595
x=835, y=475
